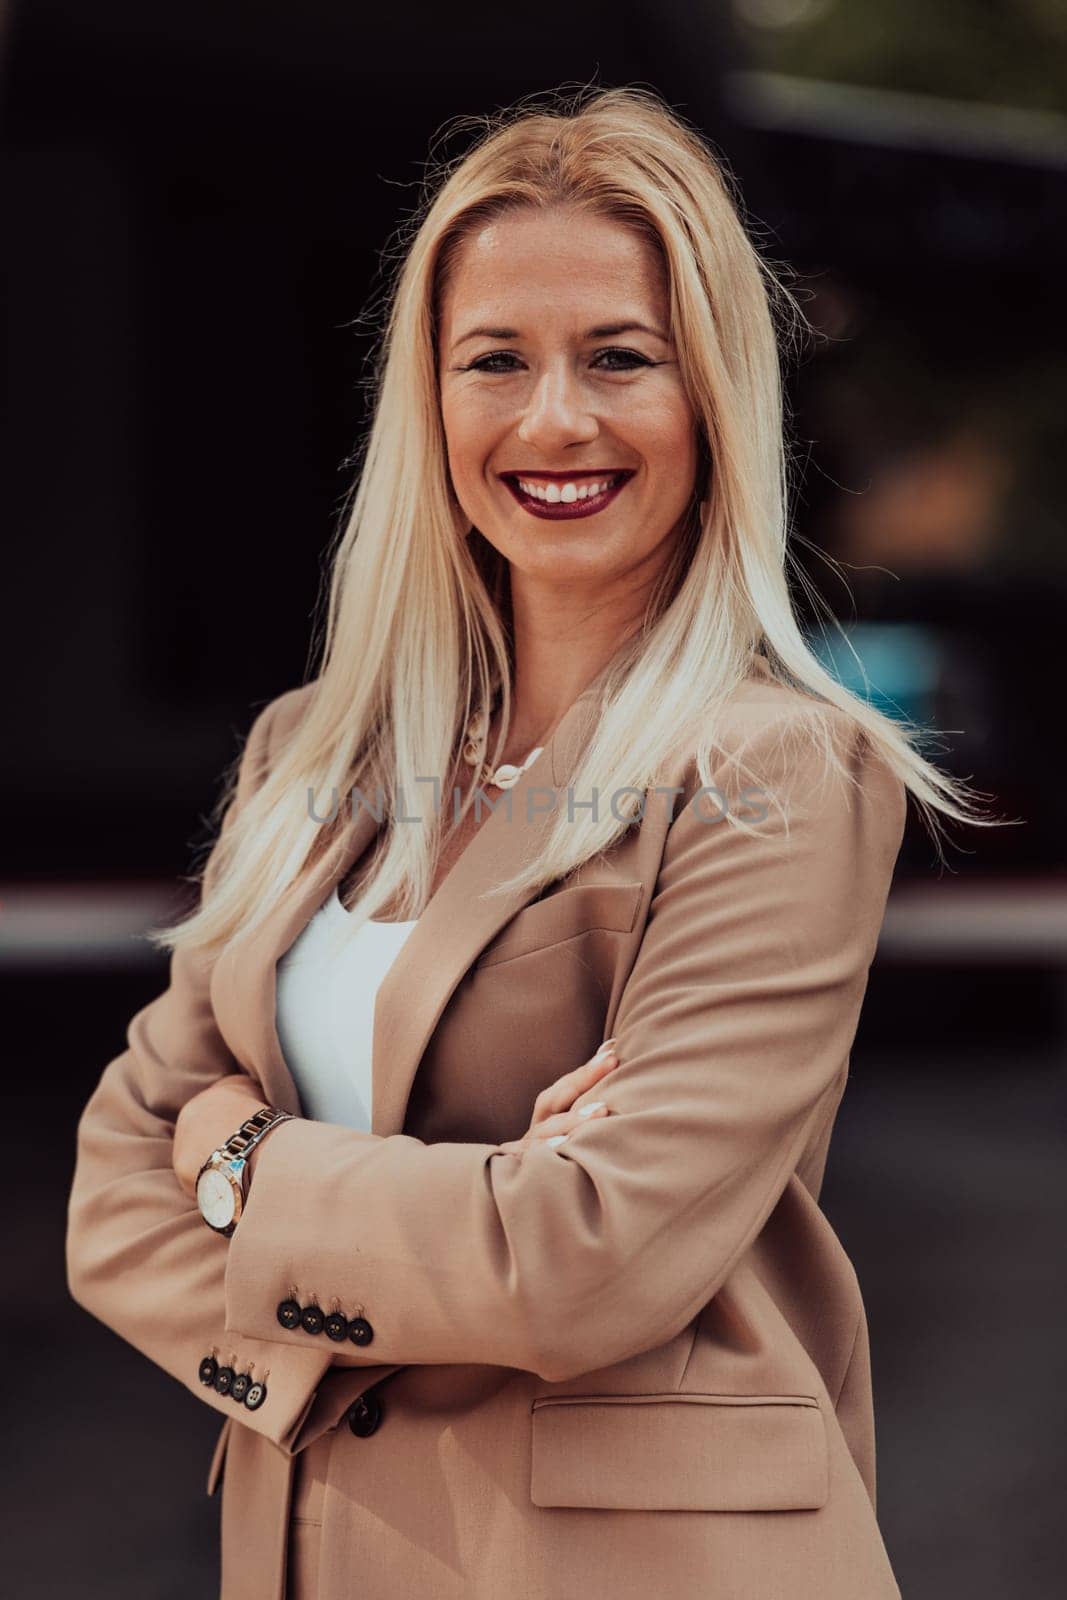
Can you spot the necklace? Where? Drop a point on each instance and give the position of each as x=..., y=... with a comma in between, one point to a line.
x=507, y=774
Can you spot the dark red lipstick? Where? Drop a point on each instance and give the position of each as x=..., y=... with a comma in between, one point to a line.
x=564, y=510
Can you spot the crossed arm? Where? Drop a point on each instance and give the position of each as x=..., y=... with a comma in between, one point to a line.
x=733, y=1031
x=139, y=1255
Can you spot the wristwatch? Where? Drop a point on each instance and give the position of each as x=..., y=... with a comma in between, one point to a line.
x=222, y=1182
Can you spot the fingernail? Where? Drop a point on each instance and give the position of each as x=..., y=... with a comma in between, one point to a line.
x=605, y=1047
x=594, y=1105
x=557, y=1140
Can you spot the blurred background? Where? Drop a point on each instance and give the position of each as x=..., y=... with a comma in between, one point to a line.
x=195, y=200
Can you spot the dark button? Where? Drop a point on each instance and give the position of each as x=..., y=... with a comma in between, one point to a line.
x=289, y=1314
x=365, y=1414
x=337, y=1325
x=208, y=1368
x=240, y=1386
x=312, y=1319
x=257, y=1393
x=224, y=1379
x=360, y=1331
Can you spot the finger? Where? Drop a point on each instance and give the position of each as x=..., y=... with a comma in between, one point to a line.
x=568, y=1121
x=563, y=1122
x=561, y=1095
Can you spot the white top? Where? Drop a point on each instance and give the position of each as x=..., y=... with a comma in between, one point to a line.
x=325, y=988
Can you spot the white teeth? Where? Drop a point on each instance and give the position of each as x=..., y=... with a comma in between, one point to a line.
x=553, y=493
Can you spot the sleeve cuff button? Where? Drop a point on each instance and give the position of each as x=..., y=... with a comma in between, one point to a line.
x=289, y=1314
x=312, y=1319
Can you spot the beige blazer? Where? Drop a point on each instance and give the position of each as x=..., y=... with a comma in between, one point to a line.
x=581, y=1343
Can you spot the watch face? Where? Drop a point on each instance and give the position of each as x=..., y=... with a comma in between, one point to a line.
x=216, y=1198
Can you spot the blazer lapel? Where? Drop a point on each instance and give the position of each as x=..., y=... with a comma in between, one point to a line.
x=452, y=931
x=457, y=925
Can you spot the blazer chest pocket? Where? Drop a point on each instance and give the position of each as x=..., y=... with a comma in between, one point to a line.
x=680, y=1452
x=574, y=910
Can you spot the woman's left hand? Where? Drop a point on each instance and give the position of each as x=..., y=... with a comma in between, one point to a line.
x=207, y=1120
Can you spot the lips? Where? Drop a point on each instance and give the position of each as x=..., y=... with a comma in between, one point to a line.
x=563, y=511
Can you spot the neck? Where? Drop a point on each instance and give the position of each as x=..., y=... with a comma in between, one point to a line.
x=558, y=652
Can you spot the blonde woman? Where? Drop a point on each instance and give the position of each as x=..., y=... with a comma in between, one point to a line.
x=469, y=1165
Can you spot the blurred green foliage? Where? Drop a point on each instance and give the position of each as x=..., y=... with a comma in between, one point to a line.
x=1000, y=52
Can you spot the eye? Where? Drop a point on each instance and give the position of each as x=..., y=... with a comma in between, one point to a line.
x=497, y=355
x=631, y=358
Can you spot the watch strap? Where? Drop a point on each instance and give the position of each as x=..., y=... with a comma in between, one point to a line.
x=252, y=1130
x=231, y=1157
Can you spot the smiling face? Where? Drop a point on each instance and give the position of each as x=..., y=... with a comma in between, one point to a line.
x=571, y=442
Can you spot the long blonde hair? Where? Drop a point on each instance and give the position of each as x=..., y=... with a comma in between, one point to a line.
x=416, y=634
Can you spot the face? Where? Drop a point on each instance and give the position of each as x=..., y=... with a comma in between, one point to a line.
x=571, y=443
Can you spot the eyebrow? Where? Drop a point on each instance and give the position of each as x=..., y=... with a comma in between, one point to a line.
x=606, y=330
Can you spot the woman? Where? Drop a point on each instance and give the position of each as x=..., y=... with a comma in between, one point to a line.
x=482, y=1321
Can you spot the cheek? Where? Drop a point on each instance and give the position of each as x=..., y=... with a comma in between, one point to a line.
x=470, y=432
x=672, y=428
x=662, y=429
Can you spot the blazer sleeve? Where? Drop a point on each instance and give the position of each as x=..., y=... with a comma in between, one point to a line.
x=734, y=1030
x=138, y=1254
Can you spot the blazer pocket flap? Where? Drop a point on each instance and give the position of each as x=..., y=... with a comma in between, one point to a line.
x=577, y=909
x=680, y=1452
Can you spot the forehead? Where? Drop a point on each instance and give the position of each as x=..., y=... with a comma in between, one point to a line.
x=562, y=259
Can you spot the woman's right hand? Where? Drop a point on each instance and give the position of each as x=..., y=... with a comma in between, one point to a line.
x=556, y=1110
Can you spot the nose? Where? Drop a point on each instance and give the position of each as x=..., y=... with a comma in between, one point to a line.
x=557, y=413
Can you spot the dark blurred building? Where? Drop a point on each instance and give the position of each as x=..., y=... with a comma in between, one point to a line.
x=197, y=199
